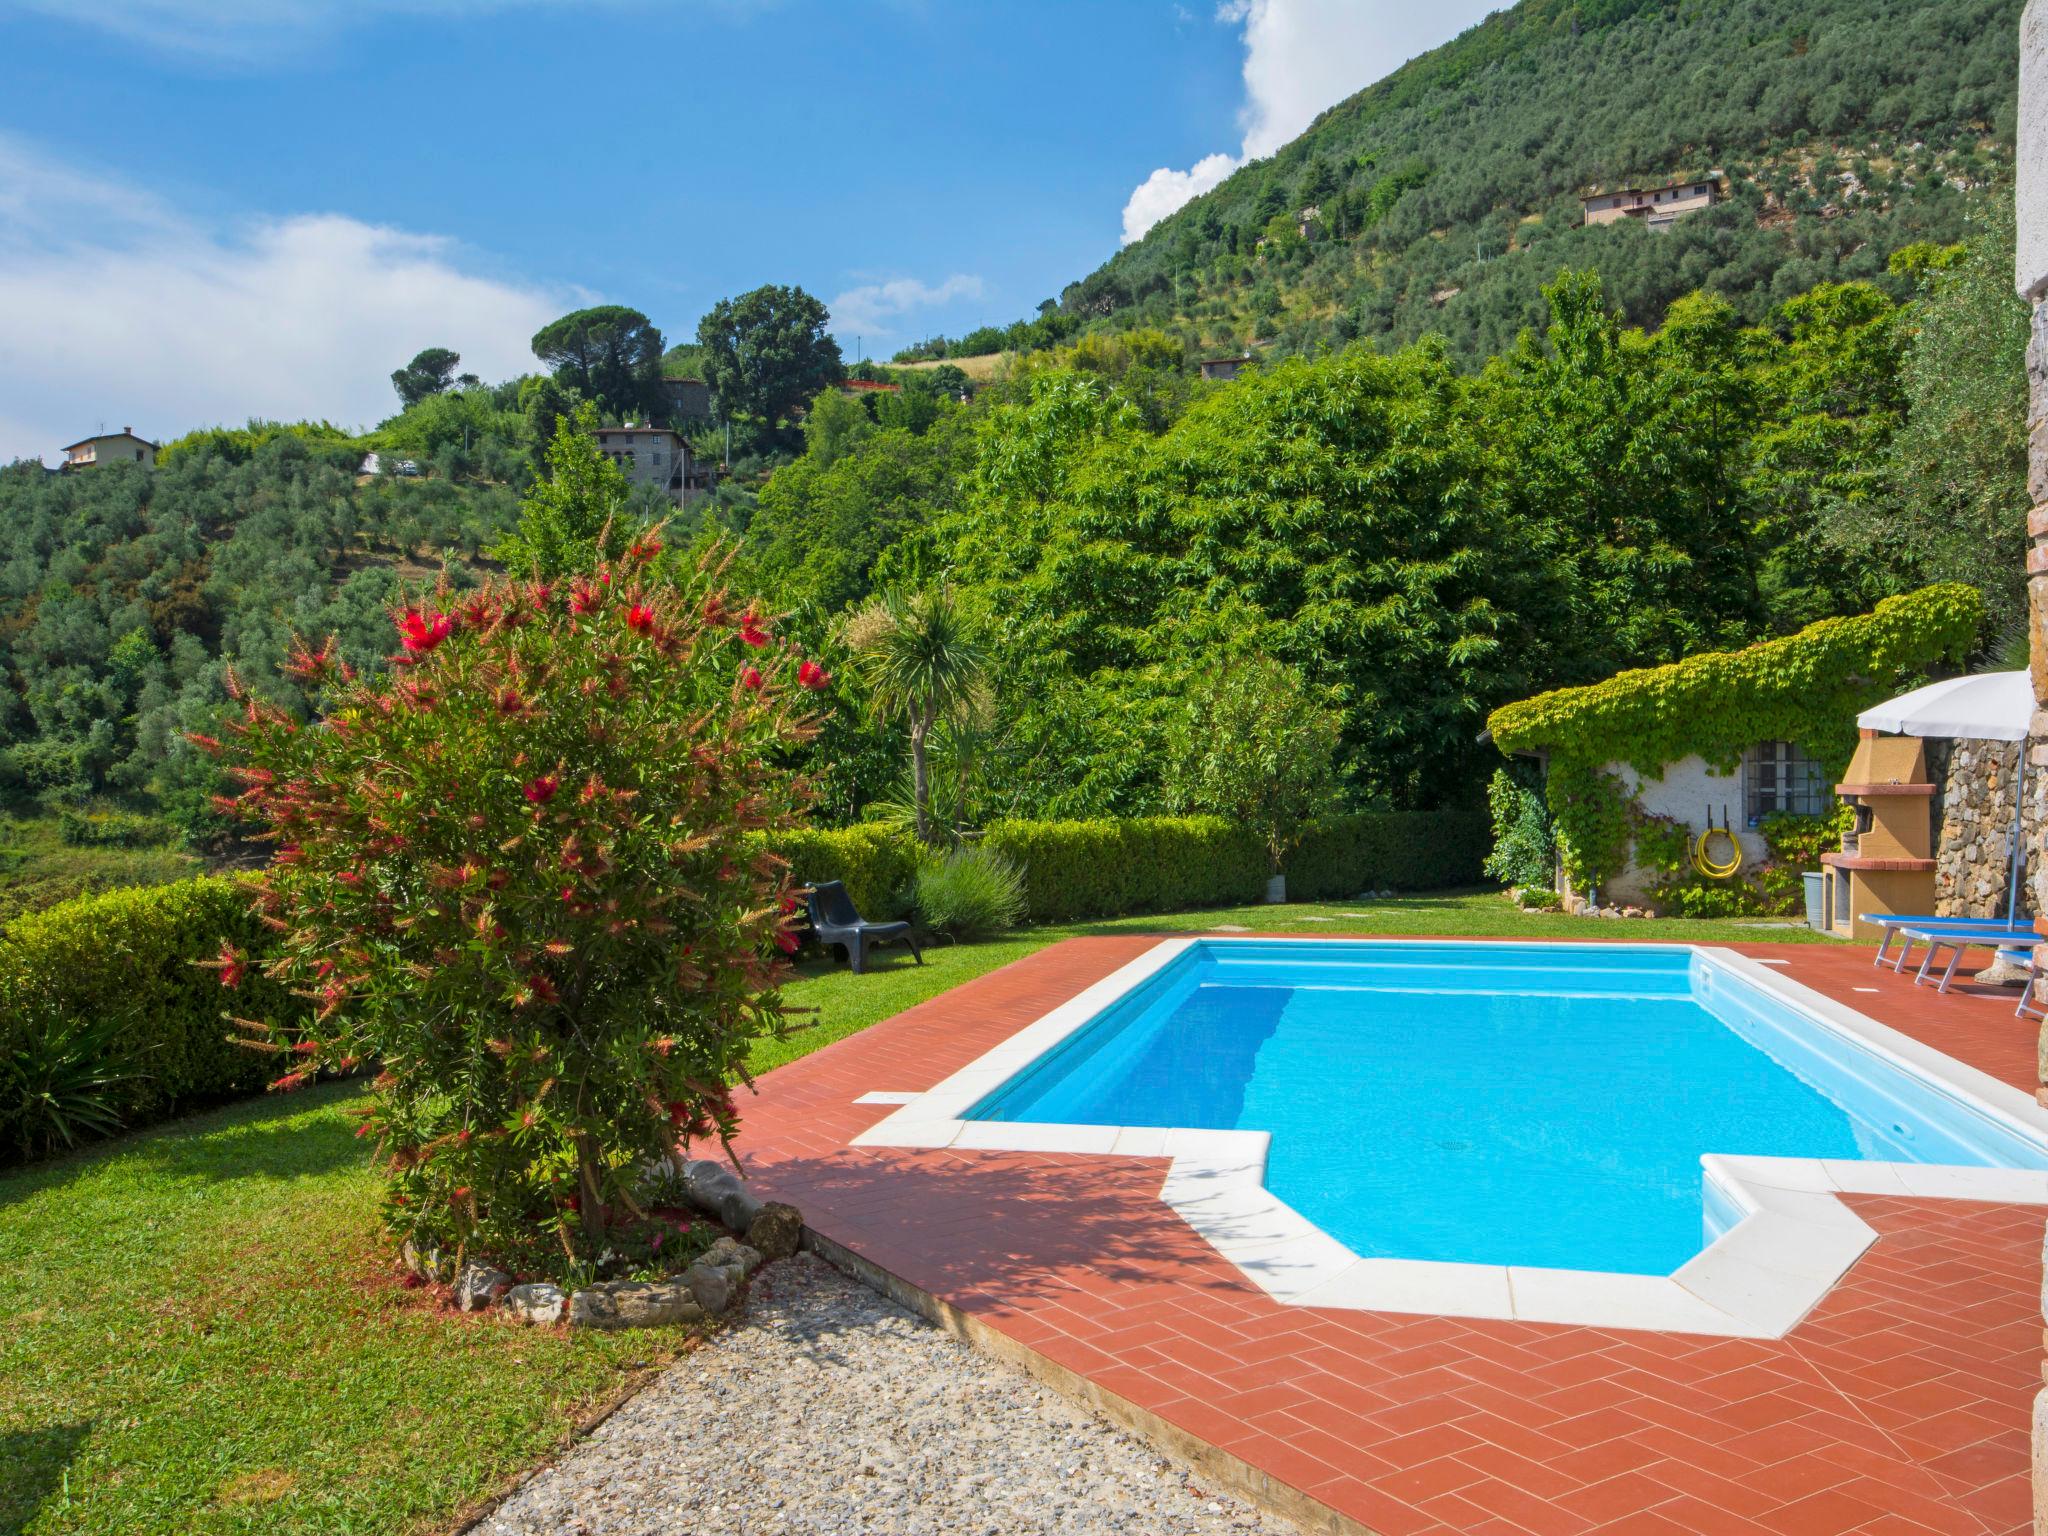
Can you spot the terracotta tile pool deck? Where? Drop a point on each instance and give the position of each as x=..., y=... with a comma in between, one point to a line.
x=1900, y=1405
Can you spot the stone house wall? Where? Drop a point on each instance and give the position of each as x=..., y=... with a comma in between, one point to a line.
x=1973, y=817
x=2031, y=276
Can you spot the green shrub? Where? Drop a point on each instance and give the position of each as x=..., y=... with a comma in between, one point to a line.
x=113, y=829
x=514, y=874
x=876, y=865
x=58, y=1080
x=1523, y=851
x=1398, y=850
x=970, y=893
x=128, y=956
x=1086, y=869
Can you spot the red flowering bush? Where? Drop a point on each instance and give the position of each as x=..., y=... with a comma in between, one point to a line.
x=513, y=875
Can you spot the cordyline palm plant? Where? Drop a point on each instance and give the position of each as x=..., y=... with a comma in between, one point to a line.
x=921, y=665
x=515, y=876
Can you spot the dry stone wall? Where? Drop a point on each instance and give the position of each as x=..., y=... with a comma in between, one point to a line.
x=1973, y=812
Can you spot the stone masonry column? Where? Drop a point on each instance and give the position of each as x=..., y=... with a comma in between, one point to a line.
x=2032, y=276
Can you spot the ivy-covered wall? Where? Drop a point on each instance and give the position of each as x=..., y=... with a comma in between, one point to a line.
x=1806, y=688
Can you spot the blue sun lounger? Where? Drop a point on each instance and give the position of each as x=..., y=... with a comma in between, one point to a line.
x=1897, y=924
x=1957, y=940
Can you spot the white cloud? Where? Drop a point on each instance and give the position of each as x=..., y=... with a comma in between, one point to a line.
x=1166, y=189
x=246, y=29
x=129, y=314
x=871, y=309
x=1300, y=57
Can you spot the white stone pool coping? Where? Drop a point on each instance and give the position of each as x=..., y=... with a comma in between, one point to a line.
x=1757, y=1280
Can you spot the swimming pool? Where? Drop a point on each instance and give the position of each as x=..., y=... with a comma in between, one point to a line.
x=1647, y=1135
x=1486, y=1104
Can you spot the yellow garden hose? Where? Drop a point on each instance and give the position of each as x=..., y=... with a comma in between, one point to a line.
x=1704, y=861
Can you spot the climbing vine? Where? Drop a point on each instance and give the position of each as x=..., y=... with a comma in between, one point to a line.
x=1806, y=688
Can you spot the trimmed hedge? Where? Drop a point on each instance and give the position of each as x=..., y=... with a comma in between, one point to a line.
x=128, y=954
x=1395, y=850
x=1084, y=869
x=1078, y=870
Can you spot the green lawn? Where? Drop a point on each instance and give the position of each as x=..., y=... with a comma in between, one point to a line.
x=202, y=1335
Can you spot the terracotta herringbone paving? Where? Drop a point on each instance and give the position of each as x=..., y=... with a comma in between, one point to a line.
x=1899, y=1406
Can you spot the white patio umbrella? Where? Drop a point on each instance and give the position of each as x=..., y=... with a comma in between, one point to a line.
x=1987, y=706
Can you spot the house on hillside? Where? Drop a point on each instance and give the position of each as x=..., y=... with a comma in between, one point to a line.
x=122, y=447
x=1221, y=370
x=1658, y=207
x=658, y=457
x=688, y=399
x=861, y=389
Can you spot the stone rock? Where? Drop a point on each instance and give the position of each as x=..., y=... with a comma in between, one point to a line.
x=479, y=1285
x=428, y=1264
x=728, y=1253
x=713, y=1285
x=536, y=1303
x=777, y=1231
x=613, y=1304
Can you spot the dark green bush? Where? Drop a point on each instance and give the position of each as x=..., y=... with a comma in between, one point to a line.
x=876, y=866
x=1398, y=850
x=128, y=956
x=1084, y=869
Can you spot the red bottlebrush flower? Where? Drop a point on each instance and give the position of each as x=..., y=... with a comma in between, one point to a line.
x=640, y=617
x=786, y=941
x=459, y=1193
x=714, y=609
x=509, y=702
x=646, y=547
x=544, y=990
x=750, y=677
x=462, y=1136
x=232, y=967
x=583, y=597
x=291, y=1080
x=308, y=665
x=813, y=676
x=751, y=630
x=210, y=745
x=419, y=633
x=307, y=1047
x=541, y=790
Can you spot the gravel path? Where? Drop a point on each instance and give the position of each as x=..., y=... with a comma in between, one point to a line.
x=831, y=1411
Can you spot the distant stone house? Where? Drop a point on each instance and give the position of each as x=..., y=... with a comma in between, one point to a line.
x=688, y=399
x=1222, y=369
x=1658, y=207
x=658, y=457
x=122, y=447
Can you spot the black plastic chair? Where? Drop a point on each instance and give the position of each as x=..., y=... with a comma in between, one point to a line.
x=835, y=921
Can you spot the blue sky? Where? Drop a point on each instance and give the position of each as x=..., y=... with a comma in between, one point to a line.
x=217, y=208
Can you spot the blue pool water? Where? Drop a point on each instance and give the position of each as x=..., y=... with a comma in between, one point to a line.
x=1495, y=1104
